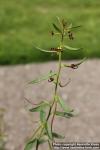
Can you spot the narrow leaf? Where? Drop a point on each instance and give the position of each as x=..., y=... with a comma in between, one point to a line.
x=70, y=26
x=30, y=144
x=42, y=116
x=48, y=131
x=40, y=107
x=43, y=50
x=64, y=114
x=60, y=23
x=58, y=136
x=64, y=106
x=74, y=27
x=57, y=28
x=45, y=77
x=71, y=48
x=36, y=109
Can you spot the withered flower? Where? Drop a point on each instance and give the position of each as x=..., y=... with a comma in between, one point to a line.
x=74, y=66
x=50, y=79
x=57, y=49
x=70, y=34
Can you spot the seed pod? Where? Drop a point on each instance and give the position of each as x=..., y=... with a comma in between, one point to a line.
x=52, y=49
x=73, y=66
x=57, y=49
x=51, y=79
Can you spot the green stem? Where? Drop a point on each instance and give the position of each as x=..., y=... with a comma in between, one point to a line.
x=59, y=68
x=37, y=145
x=50, y=146
x=57, y=82
x=56, y=87
x=36, y=131
x=54, y=101
x=55, y=94
x=58, y=74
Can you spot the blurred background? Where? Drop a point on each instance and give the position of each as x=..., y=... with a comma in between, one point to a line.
x=26, y=23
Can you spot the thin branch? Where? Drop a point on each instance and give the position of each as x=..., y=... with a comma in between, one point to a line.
x=43, y=50
x=29, y=101
x=63, y=85
x=50, y=146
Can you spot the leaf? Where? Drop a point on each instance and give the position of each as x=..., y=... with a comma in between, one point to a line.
x=60, y=23
x=70, y=26
x=63, y=105
x=41, y=141
x=36, y=109
x=43, y=50
x=74, y=27
x=48, y=131
x=57, y=28
x=42, y=116
x=58, y=136
x=45, y=77
x=40, y=107
x=64, y=114
x=30, y=144
x=71, y=48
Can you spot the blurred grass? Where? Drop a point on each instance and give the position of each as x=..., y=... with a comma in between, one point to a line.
x=25, y=22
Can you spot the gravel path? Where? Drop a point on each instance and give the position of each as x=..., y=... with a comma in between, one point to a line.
x=83, y=94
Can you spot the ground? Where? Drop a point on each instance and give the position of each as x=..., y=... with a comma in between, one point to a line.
x=82, y=94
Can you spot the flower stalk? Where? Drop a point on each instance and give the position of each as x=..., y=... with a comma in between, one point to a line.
x=45, y=133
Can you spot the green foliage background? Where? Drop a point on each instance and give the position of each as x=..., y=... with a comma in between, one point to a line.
x=24, y=23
